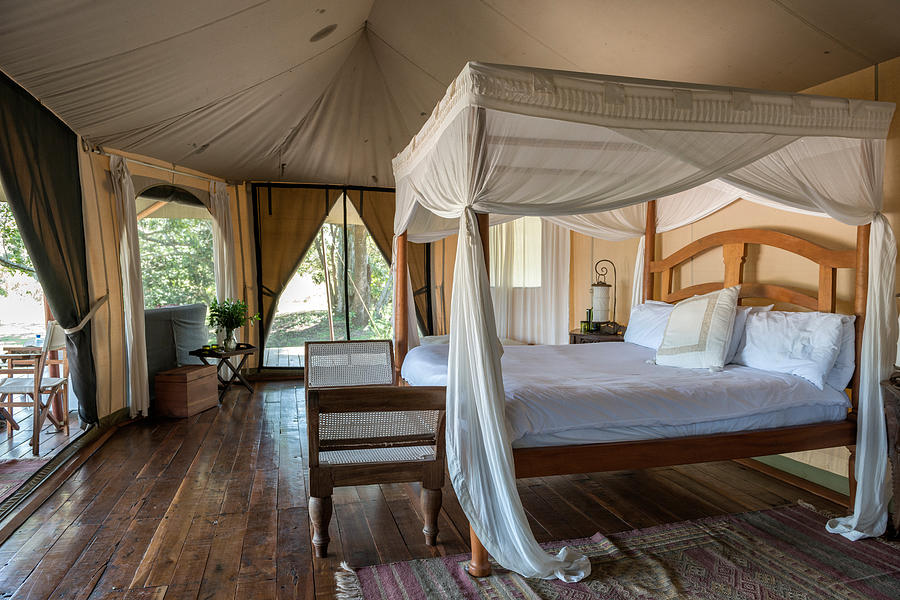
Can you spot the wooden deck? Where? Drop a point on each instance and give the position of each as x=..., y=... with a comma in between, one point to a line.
x=291, y=357
x=215, y=507
x=51, y=440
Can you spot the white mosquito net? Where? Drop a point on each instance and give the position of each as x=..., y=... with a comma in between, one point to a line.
x=583, y=150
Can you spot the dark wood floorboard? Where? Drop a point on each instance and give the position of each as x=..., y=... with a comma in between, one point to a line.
x=215, y=507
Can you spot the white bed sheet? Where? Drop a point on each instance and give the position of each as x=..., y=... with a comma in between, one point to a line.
x=592, y=393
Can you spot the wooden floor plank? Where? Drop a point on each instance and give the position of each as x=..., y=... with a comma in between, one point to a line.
x=215, y=507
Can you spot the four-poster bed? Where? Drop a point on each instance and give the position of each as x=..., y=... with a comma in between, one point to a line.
x=583, y=151
x=545, y=461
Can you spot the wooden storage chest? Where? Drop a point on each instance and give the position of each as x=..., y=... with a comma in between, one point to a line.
x=186, y=391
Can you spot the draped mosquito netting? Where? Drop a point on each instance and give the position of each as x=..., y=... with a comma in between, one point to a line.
x=584, y=151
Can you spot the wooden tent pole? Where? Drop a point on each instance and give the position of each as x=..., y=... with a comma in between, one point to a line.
x=479, y=563
x=401, y=301
x=649, y=249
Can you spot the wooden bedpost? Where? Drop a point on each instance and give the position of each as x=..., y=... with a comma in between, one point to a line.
x=401, y=308
x=484, y=231
x=649, y=249
x=479, y=563
x=861, y=296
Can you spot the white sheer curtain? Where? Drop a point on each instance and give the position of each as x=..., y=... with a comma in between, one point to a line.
x=530, y=280
x=138, y=387
x=521, y=141
x=223, y=241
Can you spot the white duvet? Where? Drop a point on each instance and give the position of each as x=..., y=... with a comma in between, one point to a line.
x=591, y=393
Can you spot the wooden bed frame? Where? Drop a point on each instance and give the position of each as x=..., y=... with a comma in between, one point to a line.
x=589, y=458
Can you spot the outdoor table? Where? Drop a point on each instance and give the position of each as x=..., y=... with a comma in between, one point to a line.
x=223, y=356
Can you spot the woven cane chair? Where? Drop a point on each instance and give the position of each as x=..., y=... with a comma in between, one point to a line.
x=35, y=385
x=365, y=429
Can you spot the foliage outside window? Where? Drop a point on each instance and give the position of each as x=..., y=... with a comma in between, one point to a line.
x=21, y=296
x=176, y=261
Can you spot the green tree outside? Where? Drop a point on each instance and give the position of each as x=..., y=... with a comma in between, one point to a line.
x=176, y=261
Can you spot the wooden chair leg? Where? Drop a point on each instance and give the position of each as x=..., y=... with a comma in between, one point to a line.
x=320, y=516
x=479, y=565
x=36, y=430
x=431, y=506
x=64, y=403
x=851, y=475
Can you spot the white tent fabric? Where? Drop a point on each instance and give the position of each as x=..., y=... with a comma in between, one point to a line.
x=224, y=261
x=535, y=312
x=297, y=90
x=518, y=141
x=138, y=389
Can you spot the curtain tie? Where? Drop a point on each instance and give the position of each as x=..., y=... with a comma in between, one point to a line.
x=87, y=317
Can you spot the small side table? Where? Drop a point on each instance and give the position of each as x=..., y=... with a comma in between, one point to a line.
x=223, y=357
x=576, y=337
x=890, y=395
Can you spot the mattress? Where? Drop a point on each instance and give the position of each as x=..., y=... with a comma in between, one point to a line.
x=609, y=392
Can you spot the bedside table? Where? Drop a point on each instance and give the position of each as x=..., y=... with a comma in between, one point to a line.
x=890, y=394
x=576, y=337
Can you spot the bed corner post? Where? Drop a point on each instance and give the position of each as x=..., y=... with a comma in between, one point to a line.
x=861, y=295
x=401, y=308
x=649, y=249
x=479, y=563
x=484, y=232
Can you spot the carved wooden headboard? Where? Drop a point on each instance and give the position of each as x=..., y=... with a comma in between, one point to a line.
x=734, y=250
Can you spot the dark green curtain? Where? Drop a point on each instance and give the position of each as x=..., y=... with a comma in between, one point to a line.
x=39, y=174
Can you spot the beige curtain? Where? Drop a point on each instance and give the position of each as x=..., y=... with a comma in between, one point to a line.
x=376, y=209
x=289, y=219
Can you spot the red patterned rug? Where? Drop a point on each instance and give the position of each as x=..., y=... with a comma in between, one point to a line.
x=13, y=473
x=783, y=553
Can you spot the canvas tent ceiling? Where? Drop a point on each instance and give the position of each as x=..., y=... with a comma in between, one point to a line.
x=246, y=89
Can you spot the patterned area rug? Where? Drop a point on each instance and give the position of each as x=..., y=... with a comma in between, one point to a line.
x=13, y=473
x=783, y=553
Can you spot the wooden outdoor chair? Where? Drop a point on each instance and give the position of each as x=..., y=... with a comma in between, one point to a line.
x=365, y=429
x=32, y=363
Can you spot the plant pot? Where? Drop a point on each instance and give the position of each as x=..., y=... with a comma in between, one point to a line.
x=230, y=342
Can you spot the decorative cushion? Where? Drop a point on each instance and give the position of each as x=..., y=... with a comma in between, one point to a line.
x=647, y=323
x=737, y=332
x=805, y=344
x=842, y=372
x=699, y=331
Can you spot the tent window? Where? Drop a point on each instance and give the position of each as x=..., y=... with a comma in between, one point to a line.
x=343, y=280
x=176, y=243
x=524, y=246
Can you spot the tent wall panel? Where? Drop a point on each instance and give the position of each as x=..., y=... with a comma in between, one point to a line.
x=245, y=250
x=99, y=206
x=104, y=278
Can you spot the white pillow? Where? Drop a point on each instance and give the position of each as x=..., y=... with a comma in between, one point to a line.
x=699, y=331
x=805, y=344
x=647, y=323
x=842, y=372
x=737, y=332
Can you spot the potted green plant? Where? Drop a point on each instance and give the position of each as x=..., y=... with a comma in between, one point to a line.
x=228, y=315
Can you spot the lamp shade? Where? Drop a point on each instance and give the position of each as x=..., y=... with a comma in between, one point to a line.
x=600, y=301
